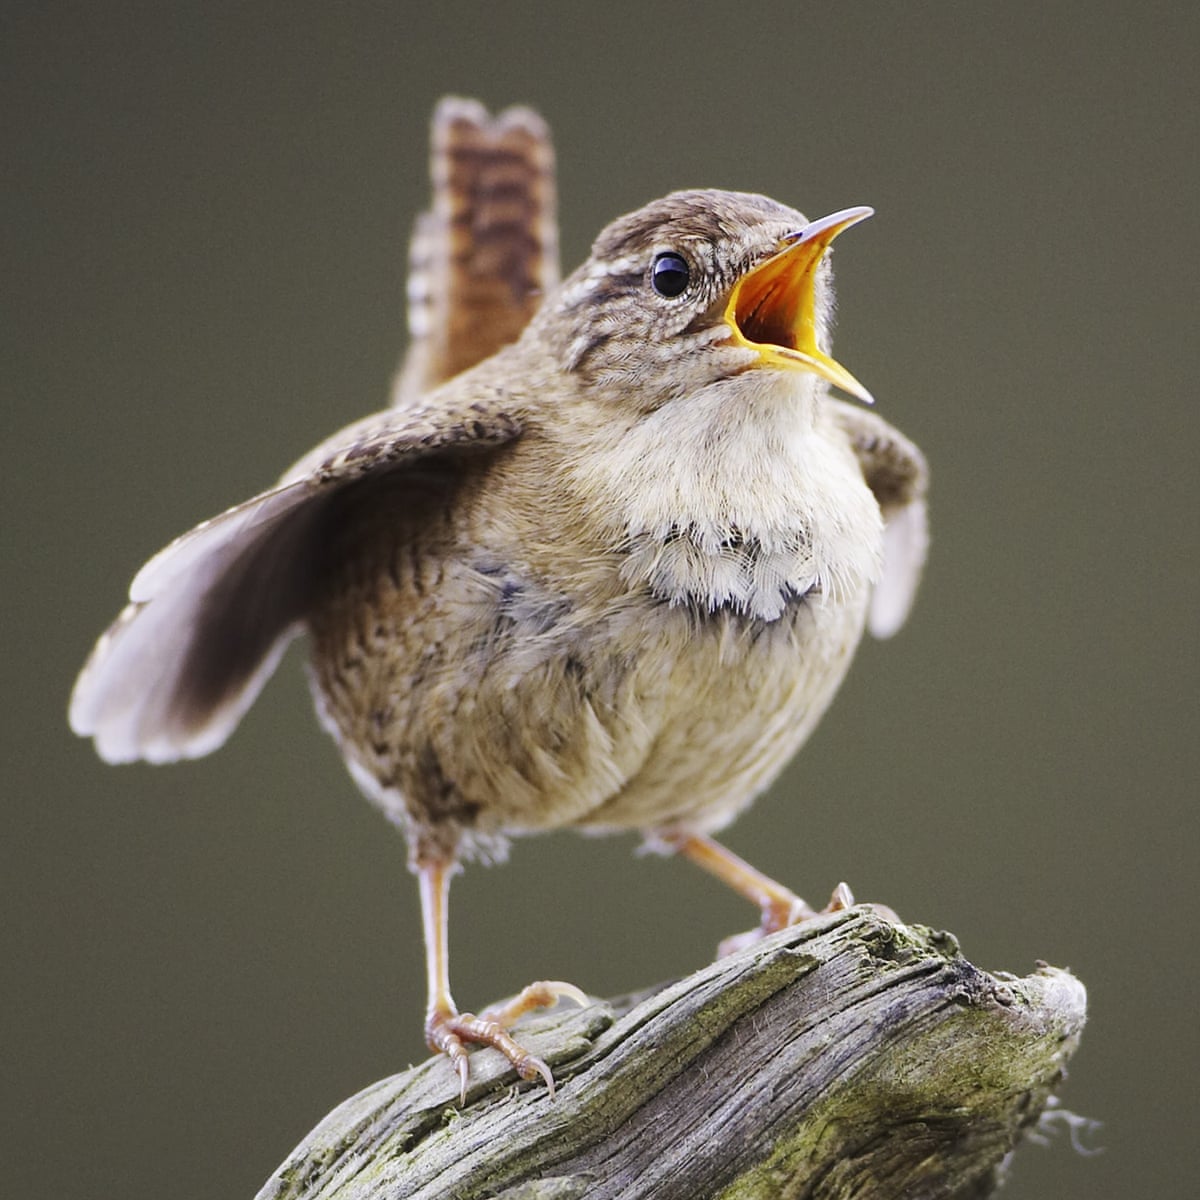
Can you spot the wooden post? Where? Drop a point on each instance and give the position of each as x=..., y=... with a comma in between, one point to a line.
x=844, y=1057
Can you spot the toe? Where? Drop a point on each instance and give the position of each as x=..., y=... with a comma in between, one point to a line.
x=544, y=994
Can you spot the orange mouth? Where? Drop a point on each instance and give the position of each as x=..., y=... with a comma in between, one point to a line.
x=771, y=308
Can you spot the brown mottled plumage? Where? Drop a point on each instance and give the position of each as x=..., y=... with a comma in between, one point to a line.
x=609, y=577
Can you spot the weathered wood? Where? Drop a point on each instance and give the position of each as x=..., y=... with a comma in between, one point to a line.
x=845, y=1057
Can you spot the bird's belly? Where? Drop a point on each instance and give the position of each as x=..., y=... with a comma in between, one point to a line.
x=494, y=708
x=743, y=697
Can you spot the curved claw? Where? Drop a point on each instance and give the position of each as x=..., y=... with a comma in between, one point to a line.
x=534, y=1067
x=462, y=1064
x=567, y=991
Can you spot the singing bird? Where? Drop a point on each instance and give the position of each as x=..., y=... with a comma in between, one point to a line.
x=607, y=577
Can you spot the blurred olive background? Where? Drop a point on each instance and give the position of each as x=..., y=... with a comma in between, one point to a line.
x=206, y=215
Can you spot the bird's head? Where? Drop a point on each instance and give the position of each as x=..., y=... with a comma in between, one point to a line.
x=695, y=288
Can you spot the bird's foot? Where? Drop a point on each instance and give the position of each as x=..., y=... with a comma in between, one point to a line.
x=449, y=1032
x=784, y=910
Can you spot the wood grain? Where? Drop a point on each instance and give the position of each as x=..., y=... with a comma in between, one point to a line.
x=848, y=1056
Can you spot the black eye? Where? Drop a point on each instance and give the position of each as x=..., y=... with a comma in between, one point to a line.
x=669, y=275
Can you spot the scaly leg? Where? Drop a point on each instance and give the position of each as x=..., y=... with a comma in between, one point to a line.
x=446, y=1029
x=780, y=907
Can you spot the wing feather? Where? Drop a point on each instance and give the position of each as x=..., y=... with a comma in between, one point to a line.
x=896, y=471
x=211, y=614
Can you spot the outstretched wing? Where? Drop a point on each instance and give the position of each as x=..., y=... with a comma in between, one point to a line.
x=211, y=614
x=895, y=470
x=486, y=252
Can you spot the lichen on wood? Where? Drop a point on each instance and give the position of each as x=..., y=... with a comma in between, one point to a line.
x=849, y=1056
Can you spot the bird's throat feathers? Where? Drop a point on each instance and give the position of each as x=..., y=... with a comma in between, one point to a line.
x=744, y=495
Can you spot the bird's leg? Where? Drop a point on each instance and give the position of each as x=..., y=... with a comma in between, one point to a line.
x=446, y=1029
x=780, y=907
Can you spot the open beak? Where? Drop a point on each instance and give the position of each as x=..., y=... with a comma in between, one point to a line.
x=771, y=307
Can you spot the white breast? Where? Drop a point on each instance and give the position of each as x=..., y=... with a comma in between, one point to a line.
x=744, y=496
